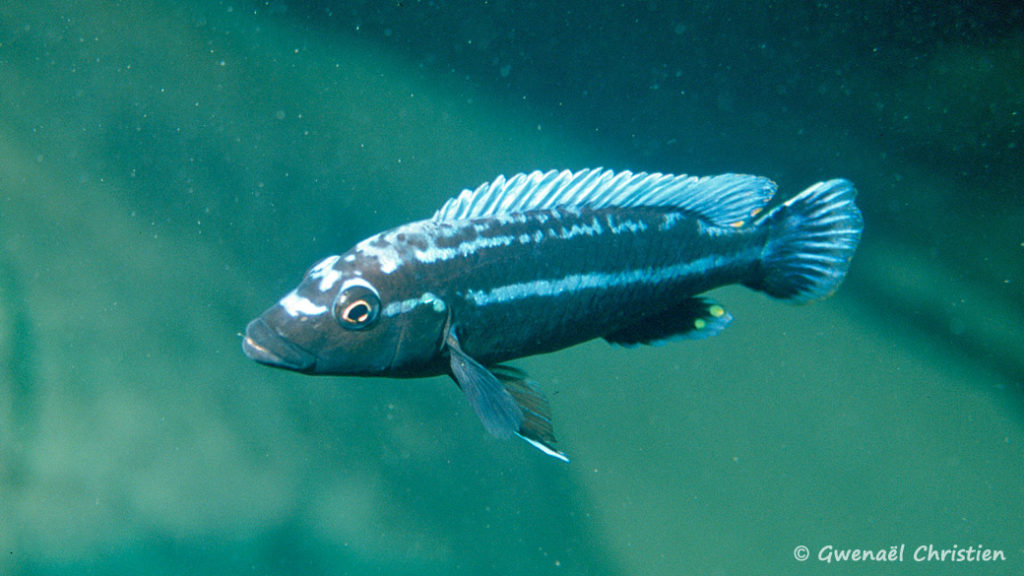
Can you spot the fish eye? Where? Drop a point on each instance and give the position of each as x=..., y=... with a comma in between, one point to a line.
x=357, y=305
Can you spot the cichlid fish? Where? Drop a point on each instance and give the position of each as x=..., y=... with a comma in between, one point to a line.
x=546, y=260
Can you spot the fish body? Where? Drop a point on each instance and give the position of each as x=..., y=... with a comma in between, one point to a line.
x=543, y=261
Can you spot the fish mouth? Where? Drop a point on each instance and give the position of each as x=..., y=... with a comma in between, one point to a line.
x=264, y=345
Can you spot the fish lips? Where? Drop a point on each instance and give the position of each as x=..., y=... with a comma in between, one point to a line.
x=264, y=345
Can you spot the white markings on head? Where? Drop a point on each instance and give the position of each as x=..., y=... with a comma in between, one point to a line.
x=296, y=306
x=428, y=298
x=330, y=278
x=323, y=266
x=358, y=281
x=324, y=272
x=381, y=247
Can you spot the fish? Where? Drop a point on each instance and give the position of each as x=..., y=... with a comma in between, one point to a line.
x=545, y=260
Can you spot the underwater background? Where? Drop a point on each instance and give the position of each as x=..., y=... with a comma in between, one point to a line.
x=169, y=169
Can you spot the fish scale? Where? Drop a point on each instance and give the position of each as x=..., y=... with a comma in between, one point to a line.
x=542, y=261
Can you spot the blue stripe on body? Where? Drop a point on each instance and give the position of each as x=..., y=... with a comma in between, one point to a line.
x=573, y=283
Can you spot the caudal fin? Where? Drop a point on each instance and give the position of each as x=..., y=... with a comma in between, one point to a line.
x=811, y=240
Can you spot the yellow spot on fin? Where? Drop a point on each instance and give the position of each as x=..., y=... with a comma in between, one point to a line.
x=693, y=318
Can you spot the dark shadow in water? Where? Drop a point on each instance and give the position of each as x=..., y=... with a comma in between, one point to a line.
x=17, y=378
x=932, y=325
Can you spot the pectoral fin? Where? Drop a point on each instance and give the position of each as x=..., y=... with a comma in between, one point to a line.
x=496, y=408
x=505, y=400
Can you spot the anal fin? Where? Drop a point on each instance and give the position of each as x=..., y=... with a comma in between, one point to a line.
x=693, y=319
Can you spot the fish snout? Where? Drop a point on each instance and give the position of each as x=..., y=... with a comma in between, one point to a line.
x=264, y=345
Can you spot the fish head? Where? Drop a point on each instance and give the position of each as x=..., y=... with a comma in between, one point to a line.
x=347, y=317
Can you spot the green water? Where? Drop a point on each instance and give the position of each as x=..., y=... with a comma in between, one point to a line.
x=168, y=170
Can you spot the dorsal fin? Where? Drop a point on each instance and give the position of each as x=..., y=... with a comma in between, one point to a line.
x=724, y=200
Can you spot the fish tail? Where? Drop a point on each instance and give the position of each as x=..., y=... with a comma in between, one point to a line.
x=811, y=240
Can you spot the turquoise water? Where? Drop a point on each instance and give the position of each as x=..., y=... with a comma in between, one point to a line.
x=168, y=170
